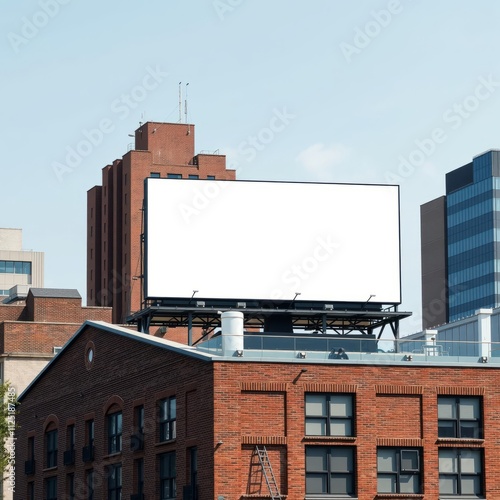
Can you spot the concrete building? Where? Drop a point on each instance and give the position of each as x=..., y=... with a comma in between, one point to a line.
x=33, y=330
x=114, y=210
x=18, y=267
x=461, y=243
x=119, y=414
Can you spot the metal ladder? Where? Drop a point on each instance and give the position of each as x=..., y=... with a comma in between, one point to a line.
x=268, y=473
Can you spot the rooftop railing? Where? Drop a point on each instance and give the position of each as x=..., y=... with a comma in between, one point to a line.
x=352, y=348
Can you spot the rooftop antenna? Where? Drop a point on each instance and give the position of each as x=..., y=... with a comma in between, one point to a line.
x=180, y=102
x=186, y=109
x=186, y=104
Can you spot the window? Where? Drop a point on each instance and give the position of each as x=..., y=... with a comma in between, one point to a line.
x=139, y=419
x=330, y=469
x=193, y=472
x=459, y=417
x=89, y=432
x=115, y=482
x=15, y=267
x=167, y=476
x=398, y=470
x=70, y=433
x=174, y=176
x=460, y=471
x=137, y=438
x=30, y=493
x=70, y=487
x=193, y=176
x=139, y=476
x=329, y=414
x=211, y=177
x=29, y=465
x=155, y=175
x=90, y=484
x=115, y=432
x=167, y=419
x=88, y=449
x=51, y=448
x=69, y=453
x=51, y=488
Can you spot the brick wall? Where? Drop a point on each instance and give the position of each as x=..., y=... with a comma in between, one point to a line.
x=127, y=371
x=65, y=310
x=44, y=323
x=161, y=148
x=227, y=408
x=11, y=312
x=39, y=338
x=94, y=234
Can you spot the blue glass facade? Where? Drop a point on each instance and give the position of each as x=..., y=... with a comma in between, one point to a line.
x=473, y=236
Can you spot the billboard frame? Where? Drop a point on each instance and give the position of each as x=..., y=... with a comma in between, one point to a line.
x=292, y=302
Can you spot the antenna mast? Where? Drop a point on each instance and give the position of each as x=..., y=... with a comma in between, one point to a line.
x=180, y=102
x=186, y=104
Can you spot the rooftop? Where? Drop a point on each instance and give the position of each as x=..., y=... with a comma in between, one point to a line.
x=361, y=349
x=56, y=293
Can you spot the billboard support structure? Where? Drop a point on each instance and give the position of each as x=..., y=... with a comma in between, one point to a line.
x=341, y=321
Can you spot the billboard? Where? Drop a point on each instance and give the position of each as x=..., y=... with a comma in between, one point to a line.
x=259, y=240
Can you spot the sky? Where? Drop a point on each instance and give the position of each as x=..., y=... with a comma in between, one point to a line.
x=381, y=91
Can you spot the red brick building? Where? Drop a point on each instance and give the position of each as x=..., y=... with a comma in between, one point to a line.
x=33, y=329
x=119, y=414
x=114, y=210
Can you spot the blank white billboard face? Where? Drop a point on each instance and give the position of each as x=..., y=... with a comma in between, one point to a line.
x=272, y=240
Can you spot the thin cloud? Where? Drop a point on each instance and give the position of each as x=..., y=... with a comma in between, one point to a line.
x=322, y=160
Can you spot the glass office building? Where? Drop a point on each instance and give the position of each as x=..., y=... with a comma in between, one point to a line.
x=472, y=236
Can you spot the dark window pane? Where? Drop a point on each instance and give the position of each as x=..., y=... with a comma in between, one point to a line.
x=446, y=429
